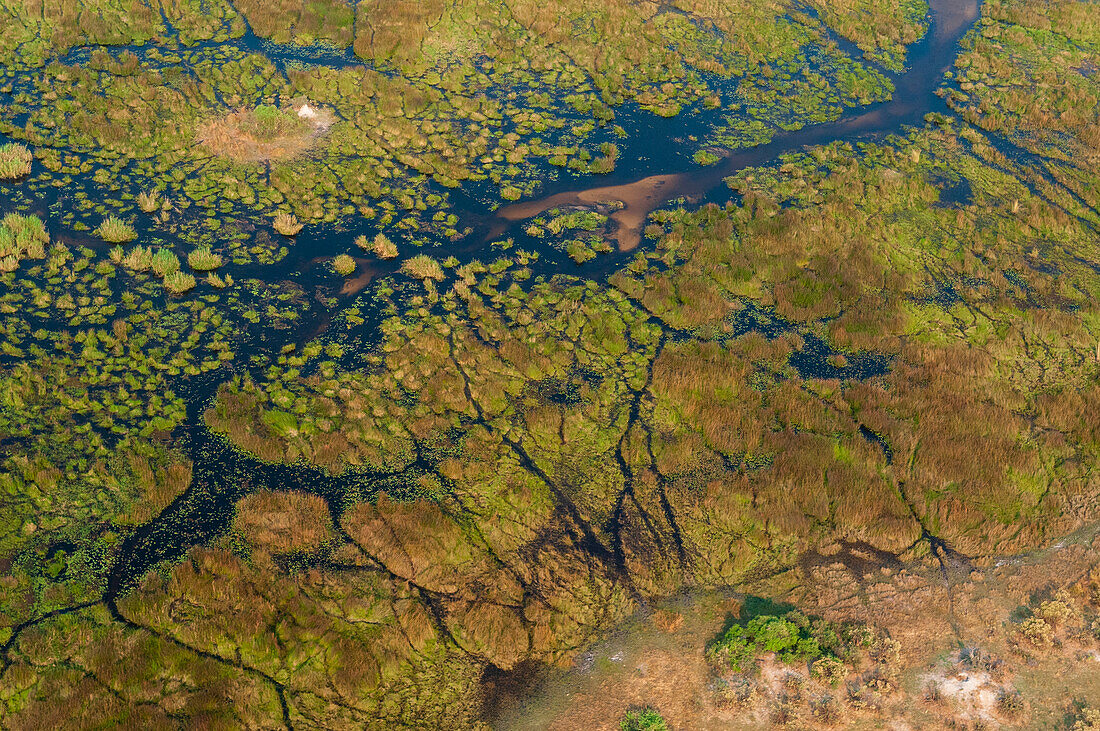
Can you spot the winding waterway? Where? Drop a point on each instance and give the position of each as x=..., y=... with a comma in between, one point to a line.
x=222, y=474
x=647, y=179
x=914, y=97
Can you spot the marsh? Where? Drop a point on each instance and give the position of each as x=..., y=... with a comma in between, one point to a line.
x=549, y=365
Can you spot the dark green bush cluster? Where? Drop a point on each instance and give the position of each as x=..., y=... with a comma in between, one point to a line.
x=793, y=637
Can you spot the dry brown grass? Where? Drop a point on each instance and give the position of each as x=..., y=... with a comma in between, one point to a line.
x=284, y=521
x=287, y=20
x=234, y=137
x=658, y=659
x=416, y=542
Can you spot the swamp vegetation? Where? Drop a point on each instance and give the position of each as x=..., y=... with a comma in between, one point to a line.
x=326, y=400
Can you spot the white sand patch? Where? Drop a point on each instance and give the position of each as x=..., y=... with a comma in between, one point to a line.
x=973, y=693
x=319, y=117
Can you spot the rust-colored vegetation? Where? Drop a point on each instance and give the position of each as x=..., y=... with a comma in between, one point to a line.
x=281, y=522
x=265, y=133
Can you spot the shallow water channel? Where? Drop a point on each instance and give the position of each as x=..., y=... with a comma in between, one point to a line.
x=646, y=179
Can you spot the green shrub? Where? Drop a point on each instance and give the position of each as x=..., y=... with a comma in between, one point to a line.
x=646, y=719
x=579, y=251
x=602, y=165
x=115, y=230
x=793, y=637
x=705, y=157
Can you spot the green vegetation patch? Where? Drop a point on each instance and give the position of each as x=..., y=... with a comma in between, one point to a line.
x=646, y=719
x=793, y=637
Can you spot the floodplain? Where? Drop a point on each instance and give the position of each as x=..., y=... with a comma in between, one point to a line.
x=549, y=365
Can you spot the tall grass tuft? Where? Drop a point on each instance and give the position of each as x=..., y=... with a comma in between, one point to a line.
x=384, y=248
x=287, y=224
x=148, y=202
x=23, y=237
x=165, y=263
x=15, y=161
x=139, y=259
x=178, y=282
x=219, y=282
x=422, y=266
x=343, y=264
x=204, y=260
x=116, y=231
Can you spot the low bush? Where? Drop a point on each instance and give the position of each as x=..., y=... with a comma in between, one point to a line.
x=1010, y=702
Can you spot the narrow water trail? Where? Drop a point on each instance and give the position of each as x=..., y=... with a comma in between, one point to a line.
x=222, y=474
x=914, y=97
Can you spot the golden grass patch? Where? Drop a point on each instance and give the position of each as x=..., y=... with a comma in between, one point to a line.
x=265, y=133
